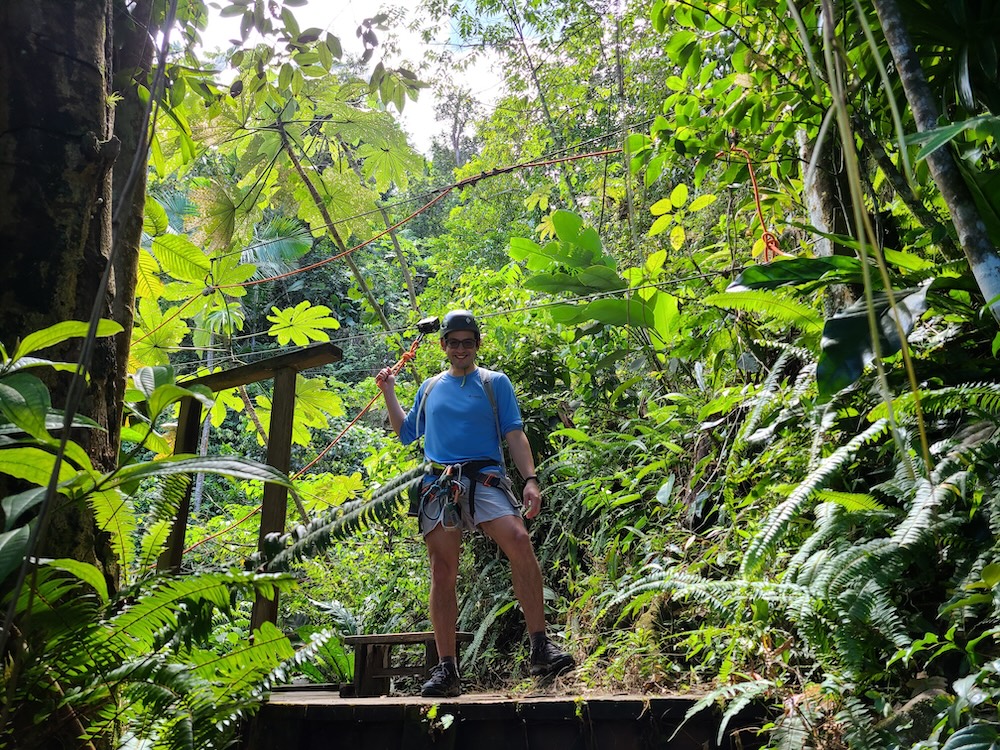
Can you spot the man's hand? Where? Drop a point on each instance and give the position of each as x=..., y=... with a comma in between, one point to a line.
x=532, y=497
x=386, y=380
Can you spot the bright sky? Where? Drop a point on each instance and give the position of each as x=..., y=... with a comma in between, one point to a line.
x=343, y=17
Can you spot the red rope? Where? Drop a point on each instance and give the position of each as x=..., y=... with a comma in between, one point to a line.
x=772, y=249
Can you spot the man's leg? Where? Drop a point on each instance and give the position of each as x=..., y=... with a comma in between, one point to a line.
x=512, y=537
x=443, y=549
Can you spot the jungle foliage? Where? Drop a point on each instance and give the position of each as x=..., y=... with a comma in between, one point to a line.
x=756, y=359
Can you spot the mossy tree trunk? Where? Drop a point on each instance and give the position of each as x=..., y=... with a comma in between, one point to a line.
x=66, y=149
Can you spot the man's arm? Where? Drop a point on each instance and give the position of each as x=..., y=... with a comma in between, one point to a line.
x=386, y=381
x=520, y=453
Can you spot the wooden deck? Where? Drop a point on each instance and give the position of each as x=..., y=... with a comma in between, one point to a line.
x=317, y=718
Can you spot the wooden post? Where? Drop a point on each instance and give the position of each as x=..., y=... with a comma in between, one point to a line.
x=275, y=503
x=185, y=441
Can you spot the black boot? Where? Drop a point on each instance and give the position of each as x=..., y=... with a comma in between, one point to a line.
x=549, y=661
x=444, y=682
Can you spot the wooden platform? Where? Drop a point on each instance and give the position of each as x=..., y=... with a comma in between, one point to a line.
x=317, y=718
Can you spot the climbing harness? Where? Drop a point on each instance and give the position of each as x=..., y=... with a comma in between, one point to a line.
x=439, y=499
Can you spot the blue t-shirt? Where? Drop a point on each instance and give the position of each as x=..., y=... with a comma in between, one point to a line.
x=457, y=423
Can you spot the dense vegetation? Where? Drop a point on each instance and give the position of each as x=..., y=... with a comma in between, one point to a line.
x=740, y=264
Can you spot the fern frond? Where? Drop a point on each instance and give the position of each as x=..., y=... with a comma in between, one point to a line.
x=157, y=608
x=114, y=515
x=918, y=526
x=765, y=543
x=775, y=305
x=831, y=525
x=348, y=519
x=242, y=670
x=856, y=564
x=734, y=697
x=498, y=609
x=763, y=397
x=319, y=645
x=978, y=397
x=850, y=501
x=153, y=543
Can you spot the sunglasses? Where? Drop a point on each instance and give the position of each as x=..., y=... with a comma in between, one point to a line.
x=460, y=343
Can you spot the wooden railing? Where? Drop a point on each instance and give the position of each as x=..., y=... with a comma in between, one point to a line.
x=283, y=370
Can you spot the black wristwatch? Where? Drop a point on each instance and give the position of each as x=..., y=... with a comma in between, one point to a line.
x=528, y=479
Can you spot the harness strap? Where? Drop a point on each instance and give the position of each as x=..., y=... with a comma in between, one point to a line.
x=474, y=471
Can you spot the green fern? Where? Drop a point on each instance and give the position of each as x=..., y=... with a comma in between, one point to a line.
x=346, y=520
x=764, y=544
x=734, y=697
x=983, y=398
x=776, y=305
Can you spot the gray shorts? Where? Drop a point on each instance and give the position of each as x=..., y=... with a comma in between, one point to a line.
x=491, y=503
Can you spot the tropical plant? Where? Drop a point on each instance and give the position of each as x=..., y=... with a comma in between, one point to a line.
x=91, y=657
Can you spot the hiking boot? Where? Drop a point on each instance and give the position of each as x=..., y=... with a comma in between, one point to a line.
x=444, y=682
x=549, y=661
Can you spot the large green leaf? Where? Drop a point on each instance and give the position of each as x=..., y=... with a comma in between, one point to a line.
x=601, y=278
x=147, y=379
x=33, y=465
x=554, y=283
x=973, y=737
x=931, y=140
x=847, y=346
x=86, y=572
x=13, y=548
x=25, y=363
x=154, y=219
x=182, y=259
x=794, y=271
x=666, y=317
x=60, y=332
x=622, y=312
x=182, y=463
x=568, y=225
x=15, y=506
x=24, y=400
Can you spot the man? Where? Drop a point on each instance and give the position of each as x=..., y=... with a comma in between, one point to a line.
x=462, y=421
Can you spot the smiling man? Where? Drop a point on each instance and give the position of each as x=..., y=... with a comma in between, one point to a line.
x=463, y=414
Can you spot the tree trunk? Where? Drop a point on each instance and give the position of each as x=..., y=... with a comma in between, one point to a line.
x=59, y=156
x=827, y=198
x=972, y=234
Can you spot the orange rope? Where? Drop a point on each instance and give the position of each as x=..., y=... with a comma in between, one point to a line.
x=771, y=247
x=407, y=357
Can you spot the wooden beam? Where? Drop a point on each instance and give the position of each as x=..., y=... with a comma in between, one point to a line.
x=275, y=502
x=185, y=441
x=189, y=423
x=299, y=360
